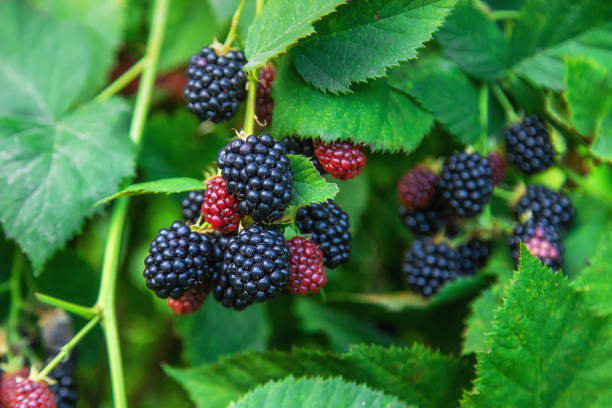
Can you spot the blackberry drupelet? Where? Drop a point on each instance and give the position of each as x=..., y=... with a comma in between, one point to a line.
x=192, y=206
x=329, y=226
x=528, y=146
x=427, y=266
x=424, y=221
x=65, y=388
x=190, y=302
x=498, y=167
x=343, y=160
x=258, y=172
x=473, y=256
x=17, y=390
x=221, y=289
x=306, y=267
x=302, y=147
x=466, y=183
x=417, y=188
x=220, y=209
x=264, y=104
x=179, y=260
x=542, y=239
x=257, y=263
x=216, y=84
x=546, y=204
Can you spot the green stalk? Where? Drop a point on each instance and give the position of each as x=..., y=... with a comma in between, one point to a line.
x=511, y=115
x=83, y=311
x=483, y=110
x=504, y=15
x=15, y=288
x=231, y=35
x=123, y=80
x=258, y=6
x=249, y=112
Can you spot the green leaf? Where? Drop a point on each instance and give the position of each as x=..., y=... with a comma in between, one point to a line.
x=475, y=43
x=315, y=393
x=164, y=186
x=602, y=145
x=374, y=114
x=548, y=347
x=279, y=25
x=588, y=108
x=342, y=50
x=415, y=375
x=596, y=278
x=308, y=185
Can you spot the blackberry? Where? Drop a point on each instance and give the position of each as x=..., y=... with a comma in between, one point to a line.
x=17, y=390
x=302, y=147
x=65, y=388
x=498, y=167
x=221, y=289
x=546, y=204
x=417, y=188
x=258, y=172
x=264, y=105
x=329, y=226
x=424, y=221
x=473, y=256
x=216, y=84
x=466, y=183
x=427, y=266
x=179, y=260
x=190, y=302
x=306, y=267
x=542, y=239
x=192, y=206
x=342, y=160
x=220, y=209
x=528, y=146
x=257, y=263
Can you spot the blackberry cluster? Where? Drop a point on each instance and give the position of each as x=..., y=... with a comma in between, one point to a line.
x=179, y=260
x=473, y=256
x=329, y=226
x=417, y=188
x=216, y=84
x=424, y=221
x=528, y=146
x=192, y=206
x=466, y=183
x=221, y=289
x=306, y=267
x=342, y=160
x=498, y=167
x=302, y=147
x=257, y=263
x=65, y=388
x=264, y=105
x=547, y=205
x=427, y=266
x=542, y=239
x=258, y=172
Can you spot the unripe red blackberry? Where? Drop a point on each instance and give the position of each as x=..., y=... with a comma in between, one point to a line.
x=306, y=267
x=192, y=205
x=473, y=256
x=466, y=183
x=542, y=239
x=417, y=188
x=498, y=167
x=17, y=390
x=220, y=209
x=546, y=204
x=342, y=160
x=258, y=172
x=302, y=147
x=428, y=266
x=190, y=302
x=264, y=105
x=216, y=85
x=528, y=146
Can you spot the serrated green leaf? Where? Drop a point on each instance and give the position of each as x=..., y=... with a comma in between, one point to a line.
x=415, y=375
x=280, y=24
x=588, y=108
x=315, y=393
x=596, y=278
x=163, y=186
x=342, y=50
x=374, y=114
x=308, y=185
x=548, y=347
x=474, y=42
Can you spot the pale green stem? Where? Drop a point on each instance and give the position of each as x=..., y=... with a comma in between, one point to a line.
x=511, y=115
x=483, y=110
x=249, y=113
x=258, y=6
x=121, y=82
x=83, y=311
x=504, y=15
x=15, y=288
x=231, y=35
x=503, y=194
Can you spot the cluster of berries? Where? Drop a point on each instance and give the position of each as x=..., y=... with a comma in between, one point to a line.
x=189, y=259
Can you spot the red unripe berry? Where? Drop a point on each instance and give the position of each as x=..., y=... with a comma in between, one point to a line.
x=417, y=188
x=342, y=160
x=305, y=267
x=190, y=302
x=17, y=390
x=219, y=208
x=498, y=165
x=264, y=105
x=540, y=247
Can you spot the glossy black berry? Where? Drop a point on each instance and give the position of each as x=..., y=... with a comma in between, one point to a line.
x=528, y=146
x=541, y=238
x=179, y=260
x=329, y=226
x=466, y=183
x=65, y=387
x=258, y=172
x=256, y=263
x=424, y=221
x=545, y=204
x=192, y=206
x=216, y=84
x=303, y=147
x=427, y=266
x=473, y=256
x=221, y=289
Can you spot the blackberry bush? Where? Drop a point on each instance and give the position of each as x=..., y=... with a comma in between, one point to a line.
x=528, y=146
x=428, y=266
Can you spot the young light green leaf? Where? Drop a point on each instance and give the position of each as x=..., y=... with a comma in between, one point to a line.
x=316, y=393
x=375, y=114
x=342, y=50
x=163, y=186
x=280, y=24
x=308, y=185
x=602, y=145
x=548, y=347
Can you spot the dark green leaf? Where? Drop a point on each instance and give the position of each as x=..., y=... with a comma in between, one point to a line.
x=164, y=186
x=596, y=278
x=308, y=185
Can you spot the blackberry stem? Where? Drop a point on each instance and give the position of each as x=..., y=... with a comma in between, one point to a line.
x=504, y=15
x=249, y=113
x=483, y=110
x=123, y=80
x=511, y=115
x=503, y=194
x=83, y=311
x=15, y=288
x=231, y=35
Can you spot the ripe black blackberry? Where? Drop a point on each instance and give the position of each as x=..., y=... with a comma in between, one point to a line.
x=258, y=172
x=192, y=206
x=424, y=221
x=179, y=260
x=65, y=388
x=427, y=266
x=256, y=262
x=329, y=226
x=546, y=204
x=303, y=147
x=466, y=183
x=216, y=84
x=473, y=256
x=542, y=239
x=528, y=145
x=221, y=289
